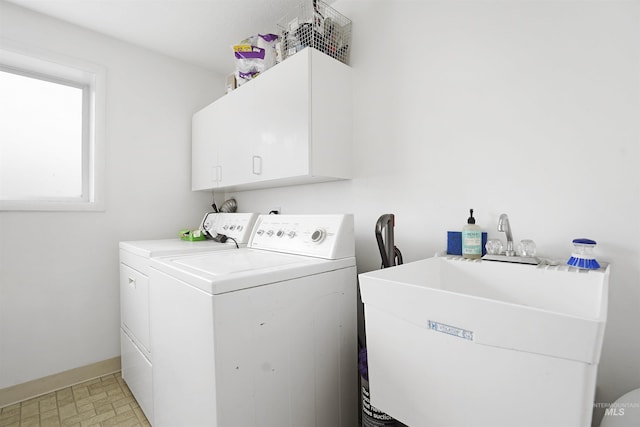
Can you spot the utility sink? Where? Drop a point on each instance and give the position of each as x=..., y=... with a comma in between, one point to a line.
x=455, y=342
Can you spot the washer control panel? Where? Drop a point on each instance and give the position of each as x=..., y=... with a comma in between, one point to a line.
x=235, y=225
x=322, y=236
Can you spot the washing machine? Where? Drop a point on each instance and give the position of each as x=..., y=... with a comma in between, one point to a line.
x=260, y=336
x=135, y=256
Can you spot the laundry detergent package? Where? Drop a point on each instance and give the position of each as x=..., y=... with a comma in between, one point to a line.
x=253, y=56
x=268, y=43
x=249, y=62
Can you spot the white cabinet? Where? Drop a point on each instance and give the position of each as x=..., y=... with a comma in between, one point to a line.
x=134, y=328
x=134, y=294
x=204, y=161
x=137, y=373
x=291, y=125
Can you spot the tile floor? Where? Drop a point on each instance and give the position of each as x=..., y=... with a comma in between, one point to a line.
x=104, y=401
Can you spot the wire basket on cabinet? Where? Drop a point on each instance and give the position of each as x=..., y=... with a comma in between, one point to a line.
x=316, y=24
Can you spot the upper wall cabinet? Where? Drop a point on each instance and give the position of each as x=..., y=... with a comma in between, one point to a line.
x=291, y=125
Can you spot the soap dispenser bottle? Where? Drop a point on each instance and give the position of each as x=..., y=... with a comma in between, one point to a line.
x=471, y=238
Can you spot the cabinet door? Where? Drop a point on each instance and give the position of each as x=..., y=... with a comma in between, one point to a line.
x=233, y=132
x=204, y=150
x=134, y=305
x=279, y=143
x=137, y=373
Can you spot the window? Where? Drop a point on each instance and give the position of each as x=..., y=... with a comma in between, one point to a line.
x=50, y=149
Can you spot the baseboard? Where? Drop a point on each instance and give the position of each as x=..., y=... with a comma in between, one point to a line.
x=30, y=389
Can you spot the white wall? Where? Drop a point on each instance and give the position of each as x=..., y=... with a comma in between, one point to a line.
x=528, y=108
x=59, y=294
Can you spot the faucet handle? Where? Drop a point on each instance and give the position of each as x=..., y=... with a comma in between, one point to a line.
x=527, y=248
x=494, y=246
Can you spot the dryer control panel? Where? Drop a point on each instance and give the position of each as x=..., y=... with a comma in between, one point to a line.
x=235, y=225
x=321, y=236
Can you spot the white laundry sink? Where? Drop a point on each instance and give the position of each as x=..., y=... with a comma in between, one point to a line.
x=453, y=342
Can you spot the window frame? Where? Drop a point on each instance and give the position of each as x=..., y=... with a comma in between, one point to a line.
x=91, y=78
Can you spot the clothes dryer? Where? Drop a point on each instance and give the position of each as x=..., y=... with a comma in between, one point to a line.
x=135, y=348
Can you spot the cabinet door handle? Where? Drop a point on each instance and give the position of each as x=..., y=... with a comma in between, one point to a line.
x=132, y=282
x=216, y=173
x=257, y=165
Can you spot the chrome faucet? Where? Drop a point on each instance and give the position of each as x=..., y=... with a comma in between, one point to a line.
x=503, y=225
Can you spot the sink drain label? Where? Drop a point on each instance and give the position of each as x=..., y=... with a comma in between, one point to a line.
x=451, y=330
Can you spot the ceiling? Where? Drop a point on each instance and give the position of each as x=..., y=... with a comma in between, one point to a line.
x=197, y=31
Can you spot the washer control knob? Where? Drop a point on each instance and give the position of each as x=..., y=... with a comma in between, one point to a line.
x=260, y=232
x=318, y=235
x=291, y=234
x=280, y=233
x=239, y=228
x=270, y=233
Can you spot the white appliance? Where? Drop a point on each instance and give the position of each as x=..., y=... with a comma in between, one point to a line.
x=259, y=336
x=136, y=354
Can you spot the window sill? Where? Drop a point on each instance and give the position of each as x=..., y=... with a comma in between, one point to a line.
x=53, y=206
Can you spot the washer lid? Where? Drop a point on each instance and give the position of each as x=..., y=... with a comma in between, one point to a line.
x=228, y=271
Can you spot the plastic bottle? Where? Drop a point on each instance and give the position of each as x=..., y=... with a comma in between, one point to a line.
x=471, y=238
